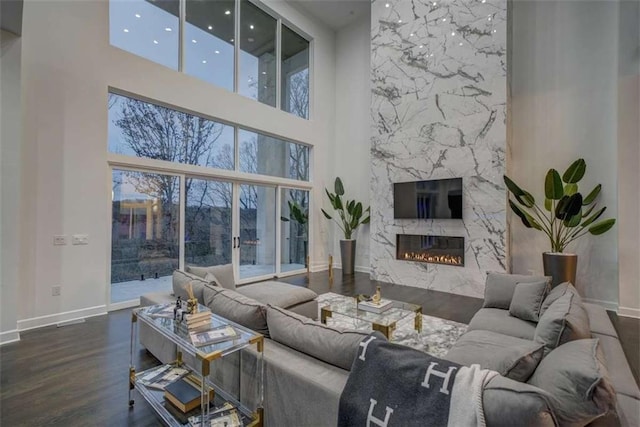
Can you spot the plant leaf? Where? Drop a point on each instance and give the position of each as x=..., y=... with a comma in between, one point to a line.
x=574, y=221
x=339, y=187
x=547, y=204
x=553, y=185
x=282, y=218
x=588, y=212
x=337, y=203
x=568, y=206
x=523, y=197
x=575, y=172
x=366, y=220
x=571, y=189
x=592, y=196
x=594, y=217
x=602, y=226
x=527, y=219
x=326, y=214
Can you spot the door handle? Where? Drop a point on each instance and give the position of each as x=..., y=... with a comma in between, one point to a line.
x=238, y=242
x=234, y=243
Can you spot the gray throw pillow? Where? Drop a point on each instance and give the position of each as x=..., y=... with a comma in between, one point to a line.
x=335, y=346
x=555, y=293
x=527, y=300
x=181, y=282
x=499, y=288
x=512, y=357
x=237, y=308
x=223, y=273
x=565, y=320
x=509, y=403
x=576, y=377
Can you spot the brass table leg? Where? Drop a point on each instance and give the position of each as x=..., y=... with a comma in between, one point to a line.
x=324, y=314
x=418, y=320
x=387, y=330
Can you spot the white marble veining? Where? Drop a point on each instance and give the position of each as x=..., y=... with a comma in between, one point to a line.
x=439, y=80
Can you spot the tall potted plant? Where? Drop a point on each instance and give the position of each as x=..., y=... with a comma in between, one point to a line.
x=565, y=217
x=351, y=215
x=300, y=216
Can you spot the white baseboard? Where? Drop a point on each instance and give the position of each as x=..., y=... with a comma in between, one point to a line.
x=9, y=336
x=54, y=319
x=319, y=267
x=609, y=305
x=358, y=268
x=114, y=306
x=629, y=312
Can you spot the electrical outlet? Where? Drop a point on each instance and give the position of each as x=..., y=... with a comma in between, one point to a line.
x=56, y=290
x=59, y=240
x=80, y=239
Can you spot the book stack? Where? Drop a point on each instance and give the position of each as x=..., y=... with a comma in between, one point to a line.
x=185, y=393
x=378, y=308
x=198, y=322
x=225, y=416
x=213, y=336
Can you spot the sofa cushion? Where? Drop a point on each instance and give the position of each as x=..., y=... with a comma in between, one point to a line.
x=498, y=320
x=565, y=320
x=335, y=346
x=512, y=357
x=577, y=379
x=181, y=282
x=499, y=288
x=527, y=300
x=599, y=320
x=223, y=274
x=508, y=403
x=618, y=367
x=278, y=294
x=237, y=308
x=555, y=293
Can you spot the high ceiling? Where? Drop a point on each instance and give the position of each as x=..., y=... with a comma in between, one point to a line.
x=336, y=14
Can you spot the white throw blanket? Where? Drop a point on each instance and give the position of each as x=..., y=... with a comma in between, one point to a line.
x=467, y=388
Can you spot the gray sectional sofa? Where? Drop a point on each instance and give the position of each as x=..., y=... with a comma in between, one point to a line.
x=307, y=364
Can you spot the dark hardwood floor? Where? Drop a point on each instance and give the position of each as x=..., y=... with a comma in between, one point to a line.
x=77, y=375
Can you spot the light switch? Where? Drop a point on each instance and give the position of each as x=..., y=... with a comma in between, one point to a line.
x=80, y=239
x=59, y=240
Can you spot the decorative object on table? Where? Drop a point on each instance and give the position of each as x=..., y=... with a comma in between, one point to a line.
x=192, y=302
x=213, y=336
x=377, y=297
x=198, y=322
x=352, y=214
x=565, y=217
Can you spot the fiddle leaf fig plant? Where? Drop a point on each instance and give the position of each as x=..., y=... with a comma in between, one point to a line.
x=566, y=214
x=350, y=212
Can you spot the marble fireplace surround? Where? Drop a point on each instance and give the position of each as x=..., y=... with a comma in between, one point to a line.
x=438, y=110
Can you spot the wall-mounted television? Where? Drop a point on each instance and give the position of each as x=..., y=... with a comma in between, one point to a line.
x=433, y=199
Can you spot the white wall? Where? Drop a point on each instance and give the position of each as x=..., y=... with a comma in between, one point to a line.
x=564, y=106
x=629, y=158
x=351, y=147
x=10, y=138
x=68, y=66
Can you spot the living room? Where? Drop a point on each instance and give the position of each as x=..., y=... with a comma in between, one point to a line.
x=390, y=99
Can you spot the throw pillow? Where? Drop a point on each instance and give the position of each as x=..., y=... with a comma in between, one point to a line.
x=223, y=273
x=576, y=377
x=509, y=403
x=499, y=288
x=211, y=279
x=335, y=346
x=237, y=308
x=527, y=300
x=565, y=320
x=512, y=357
x=555, y=293
x=181, y=282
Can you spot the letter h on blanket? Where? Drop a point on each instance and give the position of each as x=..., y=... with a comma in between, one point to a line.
x=446, y=376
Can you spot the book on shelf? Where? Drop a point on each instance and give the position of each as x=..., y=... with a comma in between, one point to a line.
x=213, y=336
x=160, y=377
x=185, y=393
x=227, y=416
x=382, y=306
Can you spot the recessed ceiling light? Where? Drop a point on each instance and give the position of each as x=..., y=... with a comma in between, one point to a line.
x=126, y=30
x=411, y=35
x=251, y=26
x=399, y=21
x=434, y=3
x=495, y=31
x=489, y=18
x=232, y=40
x=460, y=44
x=421, y=46
x=444, y=19
x=194, y=41
x=217, y=52
x=265, y=87
x=227, y=12
x=168, y=29
x=484, y=1
x=264, y=72
x=453, y=34
x=386, y=5
x=210, y=27
x=155, y=42
x=137, y=15
x=204, y=61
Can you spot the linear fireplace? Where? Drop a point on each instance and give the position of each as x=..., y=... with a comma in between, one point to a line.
x=434, y=249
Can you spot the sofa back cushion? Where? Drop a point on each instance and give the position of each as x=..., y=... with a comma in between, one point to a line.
x=576, y=377
x=335, y=346
x=499, y=288
x=223, y=274
x=565, y=320
x=509, y=403
x=511, y=357
x=180, y=282
x=527, y=300
x=237, y=308
x=555, y=293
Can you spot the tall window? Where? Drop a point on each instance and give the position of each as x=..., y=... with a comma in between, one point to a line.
x=212, y=34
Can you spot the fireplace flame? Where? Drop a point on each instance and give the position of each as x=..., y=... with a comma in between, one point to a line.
x=439, y=259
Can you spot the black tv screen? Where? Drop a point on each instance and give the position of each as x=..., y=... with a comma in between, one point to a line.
x=433, y=199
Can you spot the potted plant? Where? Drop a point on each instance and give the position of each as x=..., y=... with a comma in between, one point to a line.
x=351, y=214
x=300, y=216
x=565, y=217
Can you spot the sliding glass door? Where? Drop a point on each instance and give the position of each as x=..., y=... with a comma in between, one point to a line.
x=294, y=229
